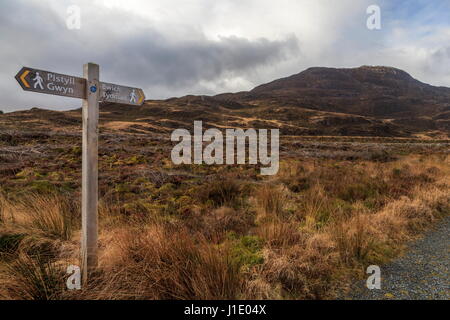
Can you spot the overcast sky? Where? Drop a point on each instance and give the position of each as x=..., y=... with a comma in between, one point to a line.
x=178, y=47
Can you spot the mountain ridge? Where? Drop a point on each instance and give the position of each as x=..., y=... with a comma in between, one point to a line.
x=376, y=88
x=364, y=101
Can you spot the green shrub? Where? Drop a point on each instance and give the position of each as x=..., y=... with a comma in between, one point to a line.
x=246, y=251
x=43, y=187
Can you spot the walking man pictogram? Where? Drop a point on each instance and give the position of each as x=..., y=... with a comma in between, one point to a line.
x=133, y=97
x=38, y=81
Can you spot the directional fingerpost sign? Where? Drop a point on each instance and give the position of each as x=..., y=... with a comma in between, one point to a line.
x=69, y=86
x=120, y=94
x=51, y=83
x=91, y=90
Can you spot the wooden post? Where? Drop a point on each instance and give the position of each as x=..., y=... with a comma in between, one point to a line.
x=89, y=201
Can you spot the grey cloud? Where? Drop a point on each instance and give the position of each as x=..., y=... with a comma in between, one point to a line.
x=185, y=63
x=441, y=57
x=169, y=54
x=36, y=36
x=436, y=66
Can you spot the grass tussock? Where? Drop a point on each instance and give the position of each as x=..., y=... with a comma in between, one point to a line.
x=222, y=191
x=34, y=278
x=271, y=199
x=298, y=235
x=159, y=262
x=48, y=215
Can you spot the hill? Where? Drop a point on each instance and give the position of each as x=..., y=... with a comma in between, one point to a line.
x=364, y=101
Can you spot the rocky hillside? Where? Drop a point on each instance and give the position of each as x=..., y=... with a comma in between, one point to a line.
x=364, y=101
x=367, y=91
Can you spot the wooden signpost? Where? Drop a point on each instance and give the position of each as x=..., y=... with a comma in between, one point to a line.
x=91, y=90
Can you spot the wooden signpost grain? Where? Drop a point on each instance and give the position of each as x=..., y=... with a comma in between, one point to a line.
x=91, y=90
x=89, y=187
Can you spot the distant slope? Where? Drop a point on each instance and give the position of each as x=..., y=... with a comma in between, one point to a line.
x=364, y=101
x=367, y=91
x=378, y=92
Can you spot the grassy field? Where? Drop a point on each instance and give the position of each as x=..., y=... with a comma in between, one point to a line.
x=336, y=206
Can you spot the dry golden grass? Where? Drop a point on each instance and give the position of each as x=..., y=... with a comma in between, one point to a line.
x=47, y=215
x=33, y=230
x=301, y=234
x=271, y=199
x=162, y=262
x=34, y=278
x=326, y=242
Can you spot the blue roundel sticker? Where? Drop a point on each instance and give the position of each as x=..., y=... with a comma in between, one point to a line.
x=93, y=89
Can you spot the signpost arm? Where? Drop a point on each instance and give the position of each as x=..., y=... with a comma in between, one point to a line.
x=90, y=171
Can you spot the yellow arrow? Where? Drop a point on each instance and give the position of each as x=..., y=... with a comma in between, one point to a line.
x=141, y=98
x=22, y=78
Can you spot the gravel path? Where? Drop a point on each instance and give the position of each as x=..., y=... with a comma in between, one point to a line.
x=422, y=273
